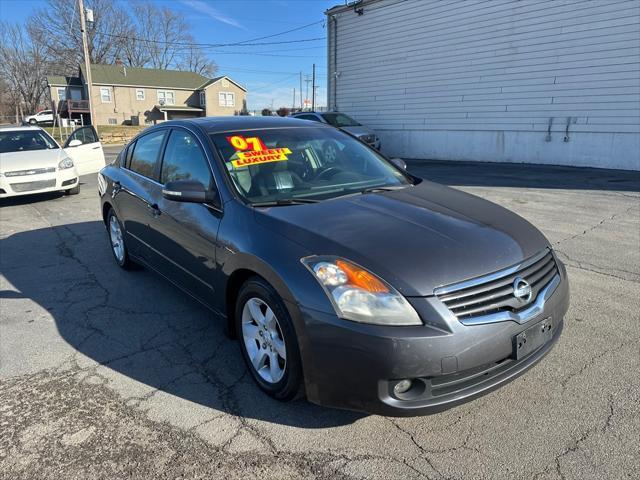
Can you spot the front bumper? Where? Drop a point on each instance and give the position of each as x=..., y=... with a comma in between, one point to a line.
x=38, y=183
x=355, y=366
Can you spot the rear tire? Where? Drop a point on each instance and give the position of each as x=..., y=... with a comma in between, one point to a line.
x=267, y=338
x=115, y=230
x=73, y=191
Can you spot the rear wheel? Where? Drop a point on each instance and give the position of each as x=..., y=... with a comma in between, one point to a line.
x=116, y=237
x=268, y=340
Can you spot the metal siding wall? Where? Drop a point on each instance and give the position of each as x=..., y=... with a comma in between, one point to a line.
x=481, y=80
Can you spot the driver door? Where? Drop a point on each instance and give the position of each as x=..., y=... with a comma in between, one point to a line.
x=85, y=149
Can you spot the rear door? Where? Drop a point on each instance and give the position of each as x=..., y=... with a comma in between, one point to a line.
x=87, y=155
x=138, y=191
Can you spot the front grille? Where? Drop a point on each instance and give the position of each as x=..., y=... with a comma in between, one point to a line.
x=495, y=293
x=32, y=186
x=32, y=171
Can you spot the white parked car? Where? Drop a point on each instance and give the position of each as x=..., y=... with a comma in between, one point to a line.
x=45, y=116
x=31, y=161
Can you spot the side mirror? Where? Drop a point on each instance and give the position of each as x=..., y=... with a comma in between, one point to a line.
x=188, y=191
x=400, y=163
x=74, y=143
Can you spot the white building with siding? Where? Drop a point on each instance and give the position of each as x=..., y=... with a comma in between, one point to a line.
x=537, y=81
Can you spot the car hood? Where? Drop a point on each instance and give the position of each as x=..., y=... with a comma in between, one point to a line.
x=417, y=238
x=358, y=130
x=30, y=159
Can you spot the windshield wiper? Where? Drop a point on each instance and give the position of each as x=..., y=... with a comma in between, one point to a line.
x=285, y=201
x=382, y=189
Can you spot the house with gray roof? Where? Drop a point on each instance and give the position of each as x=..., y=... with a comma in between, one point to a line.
x=133, y=96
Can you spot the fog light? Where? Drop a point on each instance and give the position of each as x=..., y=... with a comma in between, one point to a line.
x=402, y=386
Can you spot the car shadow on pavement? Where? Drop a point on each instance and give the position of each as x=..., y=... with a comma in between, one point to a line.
x=519, y=175
x=140, y=326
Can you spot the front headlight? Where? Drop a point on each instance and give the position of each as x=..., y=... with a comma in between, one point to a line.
x=65, y=163
x=359, y=295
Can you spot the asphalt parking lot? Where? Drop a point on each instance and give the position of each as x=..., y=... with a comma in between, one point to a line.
x=113, y=374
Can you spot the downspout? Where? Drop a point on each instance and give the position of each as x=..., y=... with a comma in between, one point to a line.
x=334, y=90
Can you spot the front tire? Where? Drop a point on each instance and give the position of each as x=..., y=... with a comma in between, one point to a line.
x=268, y=340
x=73, y=191
x=116, y=239
x=33, y=121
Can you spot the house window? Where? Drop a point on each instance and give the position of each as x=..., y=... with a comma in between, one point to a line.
x=105, y=94
x=62, y=94
x=112, y=121
x=139, y=93
x=202, y=98
x=227, y=99
x=166, y=97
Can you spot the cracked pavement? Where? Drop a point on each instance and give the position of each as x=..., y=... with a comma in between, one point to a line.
x=113, y=374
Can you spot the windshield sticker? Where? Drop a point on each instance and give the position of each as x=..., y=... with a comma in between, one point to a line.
x=252, y=151
x=241, y=143
x=262, y=156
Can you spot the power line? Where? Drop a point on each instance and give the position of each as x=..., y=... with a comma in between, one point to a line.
x=215, y=45
x=242, y=43
x=272, y=84
x=285, y=32
x=249, y=70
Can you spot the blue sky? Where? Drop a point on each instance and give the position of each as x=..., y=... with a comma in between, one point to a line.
x=269, y=72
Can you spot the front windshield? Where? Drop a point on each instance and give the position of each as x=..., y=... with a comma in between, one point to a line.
x=303, y=163
x=25, y=140
x=340, y=120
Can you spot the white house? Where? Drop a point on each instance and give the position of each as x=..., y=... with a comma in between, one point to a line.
x=553, y=82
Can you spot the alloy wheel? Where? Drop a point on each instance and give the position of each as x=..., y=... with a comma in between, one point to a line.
x=115, y=234
x=263, y=340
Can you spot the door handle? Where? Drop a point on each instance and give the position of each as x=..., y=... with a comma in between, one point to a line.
x=95, y=148
x=153, y=210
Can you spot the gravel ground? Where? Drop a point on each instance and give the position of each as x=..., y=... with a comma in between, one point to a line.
x=113, y=374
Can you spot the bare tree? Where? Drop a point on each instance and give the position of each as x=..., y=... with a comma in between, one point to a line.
x=23, y=67
x=56, y=27
x=196, y=60
x=134, y=51
x=163, y=33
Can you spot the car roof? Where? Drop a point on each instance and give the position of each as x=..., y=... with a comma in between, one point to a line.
x=18, y=129
x=241, y=122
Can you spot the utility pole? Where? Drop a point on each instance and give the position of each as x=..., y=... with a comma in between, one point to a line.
x=313, y=90
x=87, y=61
x=293, y=104
x=301, y=106
x=307, y=80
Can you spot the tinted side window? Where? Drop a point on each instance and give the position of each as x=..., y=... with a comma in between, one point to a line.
x=308, y=117
x=184, y=160
x=146, y=153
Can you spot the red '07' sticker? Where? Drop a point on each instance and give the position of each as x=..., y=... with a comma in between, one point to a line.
x=252, y=151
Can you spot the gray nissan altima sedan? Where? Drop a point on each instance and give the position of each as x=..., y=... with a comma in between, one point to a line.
x=346, y=279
